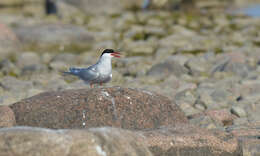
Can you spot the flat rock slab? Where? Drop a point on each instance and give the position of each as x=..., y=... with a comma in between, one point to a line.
x=188, y=140
x=248, y=136
x=28, y=141
x=117, y=107
x=184, y=140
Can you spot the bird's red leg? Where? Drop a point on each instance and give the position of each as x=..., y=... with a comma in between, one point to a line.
x=91, y=85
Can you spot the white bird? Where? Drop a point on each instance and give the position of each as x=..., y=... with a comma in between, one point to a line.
x=99, y=73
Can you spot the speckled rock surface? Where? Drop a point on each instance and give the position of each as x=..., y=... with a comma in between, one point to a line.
x=28, y=141
x=7, y=118
x=248, y=136
x=115, y=106
x=190, y=140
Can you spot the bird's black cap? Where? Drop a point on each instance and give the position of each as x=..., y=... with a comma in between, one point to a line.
x=108, y=51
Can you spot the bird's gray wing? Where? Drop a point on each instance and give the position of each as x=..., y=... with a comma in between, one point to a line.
x=89, y=74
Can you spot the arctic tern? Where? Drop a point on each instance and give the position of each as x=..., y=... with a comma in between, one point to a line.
x=98, y=73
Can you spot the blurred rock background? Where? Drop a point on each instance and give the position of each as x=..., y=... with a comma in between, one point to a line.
x=204, y=55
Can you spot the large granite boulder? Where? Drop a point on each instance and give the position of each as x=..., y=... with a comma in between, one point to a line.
x=119, y=107
x=28, y=141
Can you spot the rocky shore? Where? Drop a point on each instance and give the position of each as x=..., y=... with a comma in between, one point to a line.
x=188, y=83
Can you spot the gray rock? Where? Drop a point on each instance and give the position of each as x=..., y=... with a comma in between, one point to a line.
x=185, y=96
x=220, y=66
x=253, y=111
x=238, y=69
x=197, y=66
x=29, y=62
x=238, y=111
x=166, y=69
x=9, y=68
x=36, y=68
x=54, y=35
x=103, y=141
x=27, y=59
x=220, y=95
x=15, y=85
x=67, y=58
x=205, y=122
x=133, y=66
x=205, y=100
x=103, y=6
x=188, y=109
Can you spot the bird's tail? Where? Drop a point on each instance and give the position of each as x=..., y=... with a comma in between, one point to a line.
x=72, y=71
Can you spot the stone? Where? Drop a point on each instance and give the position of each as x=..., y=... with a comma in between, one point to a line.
x=105, y=141
x=248, y=136
x=84, y=108
x=103, y=6
x=54, y=36
x=27, y=59
x=188, y=109
x=166, y=69
x=233, y=62
x=222, y=115
x=185, y=96
x=220, y=65
x=189, y=140
x=205, y=99
x=9, y=83
x=197, y=66
x=239, y=69
x=204, y=122
x=34, y=68
x=9, y=68
x=132, y=66
x=7, y=118
x=238, y=111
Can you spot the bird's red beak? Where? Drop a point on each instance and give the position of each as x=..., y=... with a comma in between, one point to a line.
x=116, y=54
